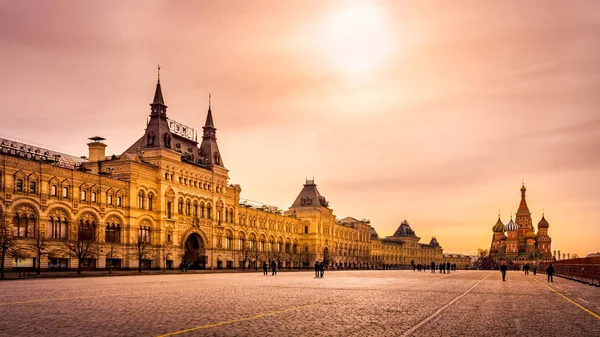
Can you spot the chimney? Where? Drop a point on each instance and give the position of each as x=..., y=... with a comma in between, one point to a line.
x=96, y=148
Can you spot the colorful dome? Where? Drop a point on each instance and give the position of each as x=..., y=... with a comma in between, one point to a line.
x=498, y=227
x=530, y=234
x=543, y=223
x=511, y=226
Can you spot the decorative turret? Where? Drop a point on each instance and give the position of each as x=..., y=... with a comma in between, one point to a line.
x=530, y=235
x=499, y=226
x=209, y=150
x=511, y=226
x=310, y=196
x=543, y=223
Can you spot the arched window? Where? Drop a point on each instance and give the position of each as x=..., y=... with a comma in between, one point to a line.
x=241, y=241
x=180, y=206
x=150, y=201
x=261, y=244
x=209, y=211
x=228, y=240
x=145, y=234
x=188, y=207
x=252, y=242
x=25, y=222
x=87, y=230
x=271, y=244
x=202, y=210
x=141, y=200
x=57, y=225
x=195, y=209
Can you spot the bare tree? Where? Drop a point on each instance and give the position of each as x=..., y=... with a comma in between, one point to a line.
x=142, y=249
x=81, y=247
x=113, y=249
x=7, y=242
x=38, y=246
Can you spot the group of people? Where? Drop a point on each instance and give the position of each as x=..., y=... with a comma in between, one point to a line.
x=319, y=269
x=273, y=265
x=443, y=267
x=526, y=268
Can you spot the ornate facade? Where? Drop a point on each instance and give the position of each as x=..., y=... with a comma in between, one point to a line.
x=517, y=241
x=169, y=194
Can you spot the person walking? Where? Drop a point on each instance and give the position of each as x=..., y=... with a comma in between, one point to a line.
x=550, y=272
x=321, y=269
x=448, y=267
x=534, y=269
x=265, y=268
x=316, y=269
x=273, y=268
x=503, y=269
x=433, y=267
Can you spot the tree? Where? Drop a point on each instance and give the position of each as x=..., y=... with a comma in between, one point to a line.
x=484, y=260
x=142, y=248
x=113, y=249
x=38, y=246
x=245, y=253
x=7, y=243
x=81, y=247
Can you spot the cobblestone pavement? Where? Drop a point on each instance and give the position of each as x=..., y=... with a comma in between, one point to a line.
x=343, y=303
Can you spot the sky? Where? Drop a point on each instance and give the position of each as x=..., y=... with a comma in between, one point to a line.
x=433, y=112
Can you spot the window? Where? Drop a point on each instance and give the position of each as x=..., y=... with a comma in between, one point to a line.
x=202, y=210
x=180, y=206
x=112, y=233
x=24, y=225
x=19, y=186
x=83, y=195
x=195, y=209
x=305, y=229
x=32, y=187
x=65, y=193
x=188, y=207
x=53, y=190
x=57, y=228
x=261, y=245
x=169, y=207
x=87, y=230
x=141, y=200
x=119, y=201
x=150, y=200
x=144, y=234
x=166, y=175
x=110, y=201
x=93, y=196
x=209, y=212
x=242, y=241
x=228, y=239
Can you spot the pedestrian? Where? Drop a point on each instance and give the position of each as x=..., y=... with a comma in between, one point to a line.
x=448, y=267
x=321, y=269
x=442, y=268
x=273, y=268
x=433, y=267
x=316, y=269
x=265, y=268
x=534, y=269
x=503, y=269
x=526, y=268
x=550, y=272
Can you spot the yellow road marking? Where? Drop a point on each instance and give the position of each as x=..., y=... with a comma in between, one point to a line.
x=212, y=325
x=568, y=299
x=53, y=299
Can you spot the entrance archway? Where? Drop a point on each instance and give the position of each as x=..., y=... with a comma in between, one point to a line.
x=194, y=255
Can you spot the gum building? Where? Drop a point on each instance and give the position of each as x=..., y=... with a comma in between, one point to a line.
x=165, y=201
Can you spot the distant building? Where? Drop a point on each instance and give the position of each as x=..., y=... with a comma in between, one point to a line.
x=169, y=192
x=517, y=241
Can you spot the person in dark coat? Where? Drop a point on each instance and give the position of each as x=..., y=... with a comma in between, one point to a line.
x=534, y=269
x=448, y=267
x=265, y=268
x=273, y=268
x=433, y=267
x=321, y=269
x=316, y=268
x=550, y=272
x=503, y=269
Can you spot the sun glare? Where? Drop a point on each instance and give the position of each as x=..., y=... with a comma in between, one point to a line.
x=356, y=39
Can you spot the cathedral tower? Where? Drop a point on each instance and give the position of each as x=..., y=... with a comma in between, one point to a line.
x=523, y=221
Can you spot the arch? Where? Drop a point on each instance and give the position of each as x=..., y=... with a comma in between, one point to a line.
x=194, y=246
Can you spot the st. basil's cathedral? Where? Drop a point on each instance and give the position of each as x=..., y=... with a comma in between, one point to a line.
x=517, y=241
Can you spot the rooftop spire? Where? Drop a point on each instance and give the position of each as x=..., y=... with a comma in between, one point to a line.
x=209, y=119
x=159, y=73
x=158, y=103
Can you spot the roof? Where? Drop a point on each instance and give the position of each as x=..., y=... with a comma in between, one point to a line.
x=310, y=196
x=543, y=223
x=511, y=226
x=499, y=226
x=404, y=230
x=32, y=152
x=374, y=234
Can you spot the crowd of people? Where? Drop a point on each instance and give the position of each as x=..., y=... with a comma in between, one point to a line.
x=443, y=267
x=526, y=268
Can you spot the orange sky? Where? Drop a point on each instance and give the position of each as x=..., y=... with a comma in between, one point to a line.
x=427, y=111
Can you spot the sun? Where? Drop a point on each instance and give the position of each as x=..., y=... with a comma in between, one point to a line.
x=356, y=39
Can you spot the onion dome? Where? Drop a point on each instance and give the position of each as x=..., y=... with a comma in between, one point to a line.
x=530, y=234
x=498, y=227
x=511, y=226
x=523, y=189
x=543, y=223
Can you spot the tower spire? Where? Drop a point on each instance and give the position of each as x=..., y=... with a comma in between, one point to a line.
x=158, y=103
x=158, y=73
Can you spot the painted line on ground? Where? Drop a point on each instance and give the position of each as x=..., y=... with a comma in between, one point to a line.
x=583, y=300
x=411, y=330
x=55, y=299
x=231, y=321
x=568, y=299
